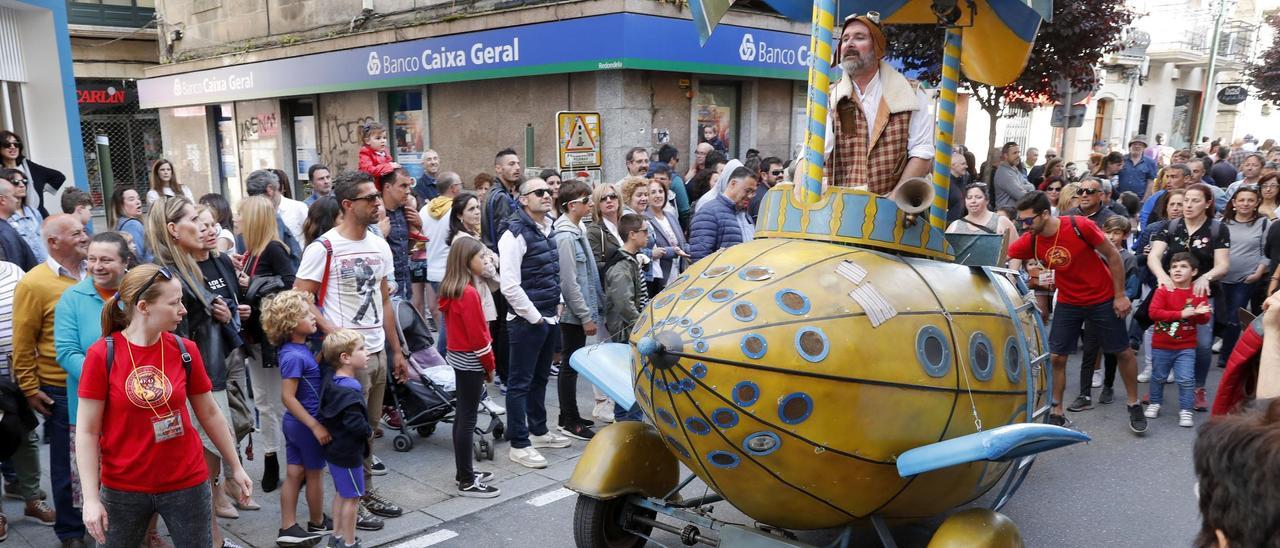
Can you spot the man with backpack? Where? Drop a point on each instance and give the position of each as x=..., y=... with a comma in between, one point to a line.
x=1072, y=250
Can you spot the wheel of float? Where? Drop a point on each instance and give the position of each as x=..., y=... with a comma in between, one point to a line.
x=600, y=523
x=402, y=443
x=426, y=431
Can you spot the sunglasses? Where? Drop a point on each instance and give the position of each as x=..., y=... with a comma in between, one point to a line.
x=12, y=144
x=1054, y=189
x=776, y=172
x=1088, y=191
x=162, y=272
x=1027, y=221
x=608, y=197
x=539, y=192
x=583, y=200
x=368, y=198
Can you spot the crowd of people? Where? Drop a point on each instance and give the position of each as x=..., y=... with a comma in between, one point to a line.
x=279, y=317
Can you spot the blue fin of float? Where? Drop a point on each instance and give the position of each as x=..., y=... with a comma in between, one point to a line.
x=608, y=366
x=998, y=444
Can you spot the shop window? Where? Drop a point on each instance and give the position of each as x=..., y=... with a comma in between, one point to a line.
x=227, y=163
x=302, y=116
x=408, y=130
x=716, y=113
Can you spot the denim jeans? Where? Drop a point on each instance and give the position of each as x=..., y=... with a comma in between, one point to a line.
x=527, y=375
x=1183, y=363
x=1204, y=348
x=186, y=513
x=1234, y=297
x=57, y=430
x=635, y=414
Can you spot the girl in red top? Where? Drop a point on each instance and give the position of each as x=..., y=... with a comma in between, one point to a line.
x=134, y=434
x=470, y=354
x=1177, y=312
x=374, y=158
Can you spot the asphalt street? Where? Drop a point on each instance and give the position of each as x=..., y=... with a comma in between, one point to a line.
x=1118, y=490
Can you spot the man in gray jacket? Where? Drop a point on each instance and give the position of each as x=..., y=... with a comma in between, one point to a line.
x=1010, y=182
x=583, y=298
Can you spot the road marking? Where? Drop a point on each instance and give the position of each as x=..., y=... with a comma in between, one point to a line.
x=427, y=540
x=548, y=498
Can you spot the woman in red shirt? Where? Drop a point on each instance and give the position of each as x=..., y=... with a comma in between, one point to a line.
x=134, y=433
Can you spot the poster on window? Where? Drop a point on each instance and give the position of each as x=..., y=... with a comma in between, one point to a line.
x=408, y=139
x=714, y=123
x=304, y=145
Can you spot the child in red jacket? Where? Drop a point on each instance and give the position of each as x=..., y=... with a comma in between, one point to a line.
x=1176, y=312
x=374, y=158
x=470, y=354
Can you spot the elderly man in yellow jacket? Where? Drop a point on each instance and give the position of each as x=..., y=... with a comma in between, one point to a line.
x=879, y=128
x=35, y=363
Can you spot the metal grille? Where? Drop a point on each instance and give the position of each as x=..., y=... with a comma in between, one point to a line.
x=135, y=144
x=1016, y=128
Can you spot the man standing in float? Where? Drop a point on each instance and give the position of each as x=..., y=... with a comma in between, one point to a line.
x=879, y=130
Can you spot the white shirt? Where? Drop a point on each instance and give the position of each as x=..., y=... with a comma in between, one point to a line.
x=511, y=250
x=58, y=270
x=919, y=132
x=353, y=296
x=152, y=195
x=294, y=214
x=437, y=232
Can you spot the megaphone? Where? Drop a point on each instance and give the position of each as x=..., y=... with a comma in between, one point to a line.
x=913, y=196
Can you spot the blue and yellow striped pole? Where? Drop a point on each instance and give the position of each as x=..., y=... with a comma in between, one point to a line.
x=946, y=129
x=820, y=44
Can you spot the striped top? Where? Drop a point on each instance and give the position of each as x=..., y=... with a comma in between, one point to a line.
x=9, y=275
x=464, y=361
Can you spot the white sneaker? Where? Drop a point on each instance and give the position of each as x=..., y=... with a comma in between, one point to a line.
x=1097, y=378
x=1170, y=380
x=603, y=411
x=550, y=440
x=1185, y=419
x=492, y=406
x=1217, y=345
x=528, y=456
x=1153, y=411
x=1145, y=375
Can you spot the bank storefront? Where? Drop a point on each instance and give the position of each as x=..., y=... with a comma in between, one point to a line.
x=468, y=95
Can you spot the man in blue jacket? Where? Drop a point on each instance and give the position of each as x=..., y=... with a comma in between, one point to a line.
x=723, y=221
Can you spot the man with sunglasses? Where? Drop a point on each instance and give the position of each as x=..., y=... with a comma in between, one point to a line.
x=349, y=271
x=1092, y=197
x=771, y=173
x=1089, y=274
x=529, y=274
x=36, y=368
x=14, y=248
x=880, y=131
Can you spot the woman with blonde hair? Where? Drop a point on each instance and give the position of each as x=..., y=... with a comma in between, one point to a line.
x=1067, y=198
x=265, y=257
x=602, y=232
x=164, y=183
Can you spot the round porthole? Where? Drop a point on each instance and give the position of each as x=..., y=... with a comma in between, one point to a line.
x=717, y=271
x=743, y=311
x=812, y=344
x=756, y=273
x=746, y=393
x=698, y=370
x=720, y=295
x=700, y=345
x=723, y=459
x=981, y=357
x=682, y=279
x=795, y=408
x=1012, y=361
x=724, y=418
x=691, y=293
x=679, y=447
x=754, y=346
x=664, y=300
x=695, y=331
x=666, y=417
x=932, y=351
x=697, y=426
x=793, y=302
x=761, y=443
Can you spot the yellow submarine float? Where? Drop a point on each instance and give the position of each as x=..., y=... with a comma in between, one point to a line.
x=852, y=364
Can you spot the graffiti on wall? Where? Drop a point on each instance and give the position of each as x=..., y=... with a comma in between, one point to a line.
x=340, y=142
x=260, y=126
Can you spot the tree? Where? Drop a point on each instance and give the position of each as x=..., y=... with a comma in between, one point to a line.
x=1071, y=46
x=1264, y=75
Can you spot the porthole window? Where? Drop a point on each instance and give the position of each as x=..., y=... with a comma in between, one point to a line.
x=981, y=357
x=812, y=344
x=1012, y=361
x=933, y=352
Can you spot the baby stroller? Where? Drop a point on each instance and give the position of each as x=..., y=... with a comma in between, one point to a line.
x=426, y=398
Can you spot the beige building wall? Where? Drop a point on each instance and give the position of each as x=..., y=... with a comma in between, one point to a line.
x=102, y=58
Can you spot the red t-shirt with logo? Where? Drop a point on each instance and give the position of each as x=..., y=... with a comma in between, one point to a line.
x=1080, y=274
x=142, y=387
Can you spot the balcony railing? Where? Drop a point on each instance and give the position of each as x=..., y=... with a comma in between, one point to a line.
x=111, y=13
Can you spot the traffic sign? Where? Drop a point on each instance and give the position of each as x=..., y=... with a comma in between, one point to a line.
x=1059, y=118
x=578, y=139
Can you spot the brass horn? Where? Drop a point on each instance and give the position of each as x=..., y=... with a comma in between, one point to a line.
x=913, y=196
